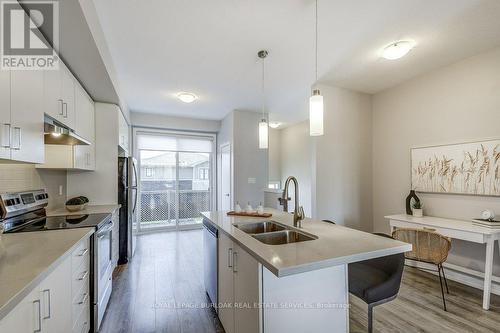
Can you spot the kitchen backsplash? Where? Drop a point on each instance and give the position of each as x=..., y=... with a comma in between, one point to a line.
x=22, y=177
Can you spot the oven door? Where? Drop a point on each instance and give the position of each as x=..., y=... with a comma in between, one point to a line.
x=104, y=269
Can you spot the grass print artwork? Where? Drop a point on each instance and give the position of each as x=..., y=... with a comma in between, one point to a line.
x=467, y=168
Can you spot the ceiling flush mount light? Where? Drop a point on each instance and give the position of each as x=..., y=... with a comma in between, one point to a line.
x=316, y=100
x=397, y=50
x=274, y=124
x=187, y=97
x=263, y=127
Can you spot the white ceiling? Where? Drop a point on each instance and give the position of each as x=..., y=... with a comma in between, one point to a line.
x=160, y=48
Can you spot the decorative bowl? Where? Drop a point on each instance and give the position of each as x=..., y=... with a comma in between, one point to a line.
x=75, y=208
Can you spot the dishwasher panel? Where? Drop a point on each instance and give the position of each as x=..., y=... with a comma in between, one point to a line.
x=210, y=239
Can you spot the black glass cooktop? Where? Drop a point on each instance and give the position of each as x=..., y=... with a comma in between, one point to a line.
x=36, y=221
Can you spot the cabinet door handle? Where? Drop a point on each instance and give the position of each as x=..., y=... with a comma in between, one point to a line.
x=5, y=135
x=84, y=275
x=61, y=112
x=17, y=135
x=235, y=256
x=230, y=257
x=39, y=321
x=47, y=292
x=65, y=113
x=84, y=299
x=84, y=252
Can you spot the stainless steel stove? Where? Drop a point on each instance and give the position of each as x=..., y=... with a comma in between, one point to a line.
x=25, y=212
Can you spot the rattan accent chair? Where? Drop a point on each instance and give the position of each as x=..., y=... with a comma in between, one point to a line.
x=427, y=246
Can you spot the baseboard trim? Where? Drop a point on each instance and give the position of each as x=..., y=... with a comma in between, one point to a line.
x=467, y=276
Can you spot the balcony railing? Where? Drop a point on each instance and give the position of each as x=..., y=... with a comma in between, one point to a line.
x=162, y=207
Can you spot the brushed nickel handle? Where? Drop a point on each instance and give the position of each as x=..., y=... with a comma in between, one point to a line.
x=61, y=113
x=39, y=329
x=84, y=275
x=84, y=252
x=17, y=135
x=230, y=257
x=235, y=256
x=6, y=135
x=84, y=299
x=65, y=113
x=47, y=292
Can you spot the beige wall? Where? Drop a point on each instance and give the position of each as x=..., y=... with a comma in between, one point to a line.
x=24, y=177
x=334, y=170
x=454, y=104
x=296, y=160
x=343, y=159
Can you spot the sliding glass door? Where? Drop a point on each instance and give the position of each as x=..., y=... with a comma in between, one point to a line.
x=175, y=179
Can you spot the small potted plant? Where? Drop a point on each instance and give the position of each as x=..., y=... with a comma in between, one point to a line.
x=417, y=210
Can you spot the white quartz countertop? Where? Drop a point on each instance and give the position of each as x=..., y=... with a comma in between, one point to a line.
x=336, y=244
x=90, y=209
x=27, y=258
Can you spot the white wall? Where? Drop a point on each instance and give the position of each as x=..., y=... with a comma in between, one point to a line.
x=224, y=137
x=454, y=104
x=274, y=155
x=174, y=123
x=240, y=129
x=101, y=185
x=343, y=176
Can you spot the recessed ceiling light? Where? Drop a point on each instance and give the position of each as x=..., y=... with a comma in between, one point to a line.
x=187, y=97
x=398, y=49
x=274, y=124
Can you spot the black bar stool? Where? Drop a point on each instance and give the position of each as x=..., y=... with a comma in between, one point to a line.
x=376, y=281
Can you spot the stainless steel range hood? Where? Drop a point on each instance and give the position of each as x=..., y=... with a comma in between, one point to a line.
x=59, y=134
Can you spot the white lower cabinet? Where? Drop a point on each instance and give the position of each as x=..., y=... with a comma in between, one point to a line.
x=239, y=288
x=54, y=306
x=25, y=317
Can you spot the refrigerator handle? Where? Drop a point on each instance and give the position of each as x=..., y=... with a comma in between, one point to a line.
x=135, y=174
x=135, y=200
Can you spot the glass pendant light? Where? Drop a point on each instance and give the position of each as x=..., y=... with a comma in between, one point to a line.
x=316, y=100
x=263, y=125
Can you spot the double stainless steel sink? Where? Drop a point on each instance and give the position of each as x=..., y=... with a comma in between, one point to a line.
x=274, y=233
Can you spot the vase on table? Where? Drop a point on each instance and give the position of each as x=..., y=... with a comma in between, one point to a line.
x=410, y=196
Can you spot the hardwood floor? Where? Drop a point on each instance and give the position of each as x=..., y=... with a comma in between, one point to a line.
x=168, y=268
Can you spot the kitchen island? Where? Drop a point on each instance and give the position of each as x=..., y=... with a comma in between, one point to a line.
x=265, y=285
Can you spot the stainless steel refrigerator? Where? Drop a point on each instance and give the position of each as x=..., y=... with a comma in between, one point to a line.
x=127, y=197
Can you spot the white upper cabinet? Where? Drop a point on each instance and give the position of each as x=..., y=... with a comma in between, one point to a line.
x=59, y=95
x=27, y=141
x=78, y=157
x=5, y=126
x=52, y=95
x=123, y=133
x=68, y=96
x=85, y=127
x=84, y=114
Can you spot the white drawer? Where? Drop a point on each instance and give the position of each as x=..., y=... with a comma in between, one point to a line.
x=81, y=300
x=80, y=277
x=82, y=323
x=80, y=254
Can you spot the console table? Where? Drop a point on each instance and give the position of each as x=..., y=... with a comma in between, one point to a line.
x=457, y=229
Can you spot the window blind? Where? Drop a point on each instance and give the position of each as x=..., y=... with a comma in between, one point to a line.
x=171, y=142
